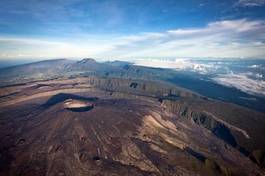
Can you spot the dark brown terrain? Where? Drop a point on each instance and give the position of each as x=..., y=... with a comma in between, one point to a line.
x=99, y=126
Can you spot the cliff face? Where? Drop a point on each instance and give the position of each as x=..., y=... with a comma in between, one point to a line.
x=231, y=124
x=228, y=122
x=139, y=87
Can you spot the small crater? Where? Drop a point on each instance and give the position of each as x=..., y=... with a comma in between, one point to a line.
x=77, y=105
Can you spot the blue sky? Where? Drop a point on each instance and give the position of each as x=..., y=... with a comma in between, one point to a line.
x=126, y=29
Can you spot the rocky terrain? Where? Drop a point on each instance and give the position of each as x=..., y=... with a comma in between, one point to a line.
x=97, y=124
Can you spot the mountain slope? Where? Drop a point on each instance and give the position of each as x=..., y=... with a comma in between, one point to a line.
x=63, y=117
x=131, y=127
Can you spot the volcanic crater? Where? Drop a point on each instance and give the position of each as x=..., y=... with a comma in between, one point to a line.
x=77, y=105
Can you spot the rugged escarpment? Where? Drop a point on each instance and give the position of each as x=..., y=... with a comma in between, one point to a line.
x=231, y=124
x=140, y=87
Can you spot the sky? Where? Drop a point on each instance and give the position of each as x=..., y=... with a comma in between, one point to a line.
x=129, y=29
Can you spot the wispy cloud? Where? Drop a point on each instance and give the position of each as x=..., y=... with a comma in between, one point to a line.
x=234, y=38
x=251, y=3
x=228, y=38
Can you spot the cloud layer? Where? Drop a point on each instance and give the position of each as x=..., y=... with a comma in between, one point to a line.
x=234, y=38
x=242, y=82
x=241, y=75
x=179, y=64
x=228, y=38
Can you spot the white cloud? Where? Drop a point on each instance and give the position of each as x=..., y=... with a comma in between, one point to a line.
x=251, y=3
x=254, y=75
x=234, y=38
x=255, y=66
x=178, y=64
x=257, y=75
x=242, y=82
x=229, y=38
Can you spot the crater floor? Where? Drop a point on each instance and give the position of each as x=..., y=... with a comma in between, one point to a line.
x=77, y=105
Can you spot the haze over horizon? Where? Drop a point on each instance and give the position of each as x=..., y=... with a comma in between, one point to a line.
x=119, y=29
